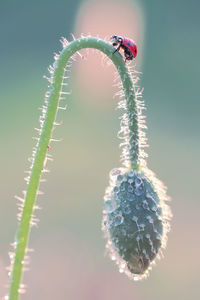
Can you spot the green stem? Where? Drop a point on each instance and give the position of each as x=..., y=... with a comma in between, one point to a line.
x=45, y=136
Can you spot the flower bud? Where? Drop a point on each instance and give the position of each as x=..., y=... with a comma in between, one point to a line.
x=135, y=220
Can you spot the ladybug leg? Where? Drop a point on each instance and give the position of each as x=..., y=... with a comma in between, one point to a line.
x=117, y=49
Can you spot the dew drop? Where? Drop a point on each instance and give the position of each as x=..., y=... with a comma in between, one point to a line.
x=116, y=189
x=138, y=181
x=131, y=174
x=122, y=188
x=130, y=189
x=139, y=186
x=110, y=206
x=114, y=173
x=126, y=208
x=118, y=219
x=139, y=190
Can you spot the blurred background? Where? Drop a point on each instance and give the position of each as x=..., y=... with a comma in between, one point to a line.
x=69, y=260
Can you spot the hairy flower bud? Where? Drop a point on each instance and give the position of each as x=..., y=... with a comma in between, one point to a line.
x=135, y=220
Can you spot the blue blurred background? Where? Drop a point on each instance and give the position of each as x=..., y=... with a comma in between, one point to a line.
x=68, y=261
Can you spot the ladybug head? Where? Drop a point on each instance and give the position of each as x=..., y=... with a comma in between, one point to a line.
x=115, y=39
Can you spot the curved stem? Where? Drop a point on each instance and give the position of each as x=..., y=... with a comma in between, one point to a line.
x=45, y=136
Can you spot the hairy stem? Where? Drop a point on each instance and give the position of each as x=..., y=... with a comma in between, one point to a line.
x=55, y=89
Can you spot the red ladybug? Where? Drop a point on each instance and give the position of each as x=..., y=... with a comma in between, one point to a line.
x=129, y=46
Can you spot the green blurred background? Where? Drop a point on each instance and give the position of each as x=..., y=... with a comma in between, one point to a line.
x=68, y=261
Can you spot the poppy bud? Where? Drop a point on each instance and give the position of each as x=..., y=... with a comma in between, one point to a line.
x=135, y=220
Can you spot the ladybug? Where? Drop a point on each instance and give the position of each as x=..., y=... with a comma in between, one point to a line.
x=129, y=46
